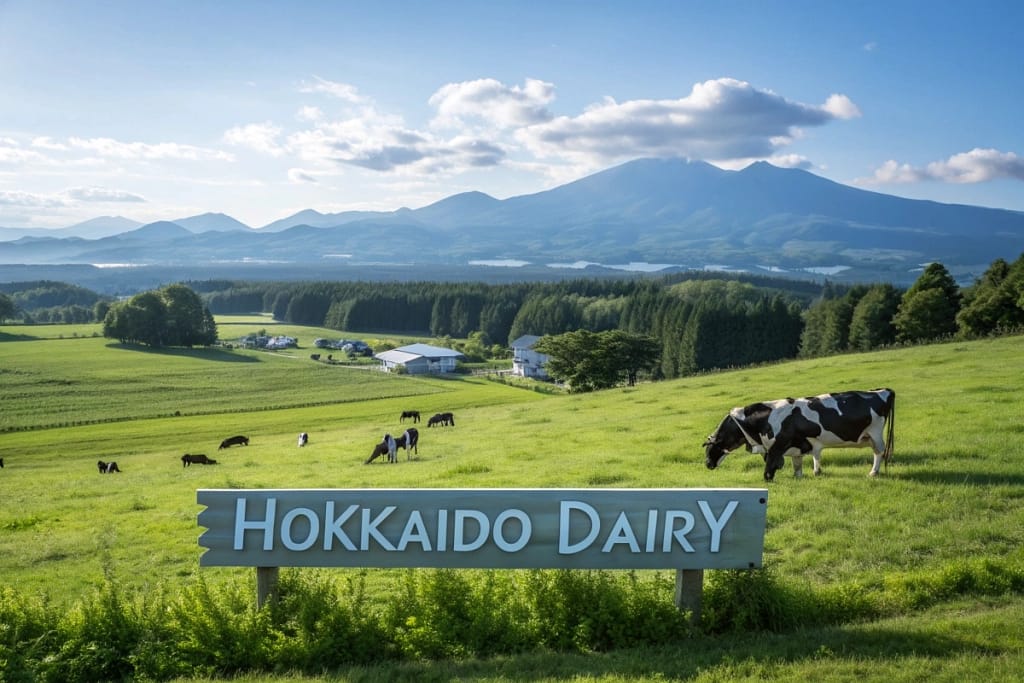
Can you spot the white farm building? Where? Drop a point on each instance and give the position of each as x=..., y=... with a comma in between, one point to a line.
x=419, y=359
x=525, y=361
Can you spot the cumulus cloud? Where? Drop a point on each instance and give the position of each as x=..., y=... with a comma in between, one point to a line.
x=493, y=102
x=384, y=144
x=720, y=119
x=101, y=194
x=261, y=137
x=975, y=166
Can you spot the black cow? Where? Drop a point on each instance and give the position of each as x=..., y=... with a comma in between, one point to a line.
x=234, y=441
x=1, y=462
x=197, y=459
x=443, y=419
x=108, y=467
x=414, y=414
x=797, y=426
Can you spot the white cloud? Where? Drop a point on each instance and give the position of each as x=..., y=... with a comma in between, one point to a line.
x=493, y=102
x=312, y=114
x=975, y=166
x=110, y=148
x=30, y=199
x=341, y=91
x=45, y=142
x=719, y=120
x=384, y=144
x=14, y=154
x=842, y=107
x=261, y=137
x=101, y=194
x=297, y=175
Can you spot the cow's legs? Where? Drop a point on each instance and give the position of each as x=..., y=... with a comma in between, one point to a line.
x=878, y=461
x=816, y=454
x=878, y=448
x=798, y=466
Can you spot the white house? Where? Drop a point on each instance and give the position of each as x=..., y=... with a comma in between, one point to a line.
x=419, y=359
x=525, y=361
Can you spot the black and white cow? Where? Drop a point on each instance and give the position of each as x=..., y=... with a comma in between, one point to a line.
x=798, y=426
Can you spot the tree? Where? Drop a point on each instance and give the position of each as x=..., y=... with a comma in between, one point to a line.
x=630, y=353
x=871, y=325
x=995, y=301
x=928, y=309
x=598, y=360
x=7, y=307
x=172, y=316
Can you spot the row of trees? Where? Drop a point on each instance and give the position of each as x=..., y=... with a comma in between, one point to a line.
x=700, y=321
x=171, y=316
x=47, y=301
x=865, y=317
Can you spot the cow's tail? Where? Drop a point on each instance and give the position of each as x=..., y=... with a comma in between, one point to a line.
x=890, y=426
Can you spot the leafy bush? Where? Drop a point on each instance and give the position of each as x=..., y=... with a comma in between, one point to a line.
x=317, y=625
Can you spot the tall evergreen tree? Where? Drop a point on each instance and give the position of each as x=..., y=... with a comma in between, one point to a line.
x=929, y=308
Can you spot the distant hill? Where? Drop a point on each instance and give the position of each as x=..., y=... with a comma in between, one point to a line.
x=690, y=215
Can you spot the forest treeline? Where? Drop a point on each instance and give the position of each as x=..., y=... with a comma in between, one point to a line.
x=702, y=321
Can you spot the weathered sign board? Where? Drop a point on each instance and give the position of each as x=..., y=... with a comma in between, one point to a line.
x=484, y=528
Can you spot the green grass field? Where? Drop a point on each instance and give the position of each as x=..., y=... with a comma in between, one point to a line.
x=954, y=491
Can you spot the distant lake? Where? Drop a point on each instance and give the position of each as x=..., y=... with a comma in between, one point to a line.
x=639, y=266
x=645, y=267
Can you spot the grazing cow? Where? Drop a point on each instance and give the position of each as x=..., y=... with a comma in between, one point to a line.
x=389, y=446
x=234, y=441
x=443, y=419
x=197, y=459
x=797, y=426
x=414, y=414
x=409, y=440
x=108, y=467
x=303, y=439
x=314, y=356
x=1, y=462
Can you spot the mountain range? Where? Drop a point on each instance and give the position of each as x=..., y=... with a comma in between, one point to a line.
x=674, y=213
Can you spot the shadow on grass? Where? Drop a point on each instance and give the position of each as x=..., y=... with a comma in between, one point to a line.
x=6, y=336
x=730, y=655
x=211, y=354
x=965, y=476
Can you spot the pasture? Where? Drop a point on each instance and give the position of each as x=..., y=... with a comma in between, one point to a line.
x=953, y=493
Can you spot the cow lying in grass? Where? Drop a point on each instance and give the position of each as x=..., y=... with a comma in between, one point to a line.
x=196, y=458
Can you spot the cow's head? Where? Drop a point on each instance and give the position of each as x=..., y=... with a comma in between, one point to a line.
x=728, y=437
x=772, y=464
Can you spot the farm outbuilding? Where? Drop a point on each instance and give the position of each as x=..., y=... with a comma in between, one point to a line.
x=419, y=359
x=525, y=361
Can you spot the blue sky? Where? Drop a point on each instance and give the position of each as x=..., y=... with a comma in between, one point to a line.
x=159, y=110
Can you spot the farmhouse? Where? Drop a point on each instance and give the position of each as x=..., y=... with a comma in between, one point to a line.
x=419, y=359
x=525, y=361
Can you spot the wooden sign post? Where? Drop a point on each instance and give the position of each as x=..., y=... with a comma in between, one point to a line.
x=689, y=530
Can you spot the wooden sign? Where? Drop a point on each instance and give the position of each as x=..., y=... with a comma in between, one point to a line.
x=484, y=528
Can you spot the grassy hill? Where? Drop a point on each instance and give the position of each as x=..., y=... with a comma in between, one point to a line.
x=953, y=493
